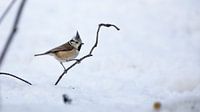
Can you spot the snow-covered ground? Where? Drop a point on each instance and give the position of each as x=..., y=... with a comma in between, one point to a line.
x=155, y=57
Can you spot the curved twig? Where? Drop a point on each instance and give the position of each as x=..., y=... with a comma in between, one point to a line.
x=90, y=53
x=7, y=10
x=8, y=74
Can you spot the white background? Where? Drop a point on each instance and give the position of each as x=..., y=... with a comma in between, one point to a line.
x=154, y=57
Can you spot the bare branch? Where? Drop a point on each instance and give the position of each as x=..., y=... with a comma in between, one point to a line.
x=7, y=10
x=8, y=74
x=13, y=32
x=90, y=53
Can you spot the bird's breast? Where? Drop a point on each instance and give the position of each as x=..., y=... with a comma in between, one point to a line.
x=63, y=56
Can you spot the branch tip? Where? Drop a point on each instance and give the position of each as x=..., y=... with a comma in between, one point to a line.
x=8, y=74
x=109, y=25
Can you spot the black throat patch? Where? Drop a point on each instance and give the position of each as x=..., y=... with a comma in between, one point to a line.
x=79, y=47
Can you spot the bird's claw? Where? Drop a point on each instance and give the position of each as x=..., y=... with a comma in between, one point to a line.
x=78, y=61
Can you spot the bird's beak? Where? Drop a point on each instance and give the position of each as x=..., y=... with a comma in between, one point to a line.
x=82, y=43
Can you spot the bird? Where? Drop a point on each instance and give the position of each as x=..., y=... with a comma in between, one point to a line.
x=67, y=51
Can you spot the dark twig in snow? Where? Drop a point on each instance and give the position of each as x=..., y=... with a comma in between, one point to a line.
x=90, y=53
x=67, y=99
x=8, y=74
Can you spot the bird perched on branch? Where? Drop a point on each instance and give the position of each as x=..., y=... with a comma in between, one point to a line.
x=66, y=52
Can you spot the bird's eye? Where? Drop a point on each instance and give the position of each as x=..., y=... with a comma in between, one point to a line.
x=72, y=41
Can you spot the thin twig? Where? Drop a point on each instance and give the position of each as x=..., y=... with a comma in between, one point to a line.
x=13, y=32
x=90, y=53
x=7, y=10
x=8, y=74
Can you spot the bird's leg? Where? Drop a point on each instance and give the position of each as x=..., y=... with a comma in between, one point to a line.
x=63, y=65
x=78, y=60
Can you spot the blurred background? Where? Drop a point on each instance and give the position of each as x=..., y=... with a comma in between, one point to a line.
x=154, y=57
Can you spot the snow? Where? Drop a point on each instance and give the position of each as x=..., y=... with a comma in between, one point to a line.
x=153, y=58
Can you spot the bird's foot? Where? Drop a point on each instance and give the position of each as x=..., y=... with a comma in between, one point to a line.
x=78, y=60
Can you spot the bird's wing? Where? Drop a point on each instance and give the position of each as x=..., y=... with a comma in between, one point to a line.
x=64, y=47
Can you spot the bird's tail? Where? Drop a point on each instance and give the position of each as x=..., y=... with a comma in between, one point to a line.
x=40, y=54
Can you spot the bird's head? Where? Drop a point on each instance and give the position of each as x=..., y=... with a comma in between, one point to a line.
x=76, y=41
